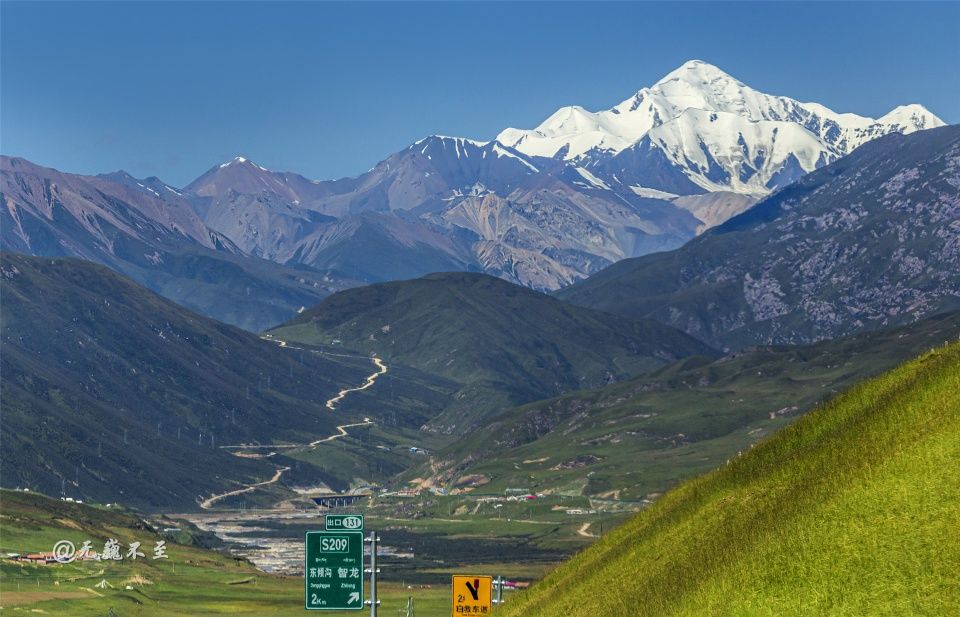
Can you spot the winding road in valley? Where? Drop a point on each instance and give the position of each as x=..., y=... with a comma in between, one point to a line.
x=342, y=432
x=331, y=404
x=372, y=379
x=247, y=489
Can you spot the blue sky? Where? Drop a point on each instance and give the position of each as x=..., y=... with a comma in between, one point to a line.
x=327, y=90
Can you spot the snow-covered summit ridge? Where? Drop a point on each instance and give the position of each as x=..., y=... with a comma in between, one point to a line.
x=697, y=85
x=733, y=123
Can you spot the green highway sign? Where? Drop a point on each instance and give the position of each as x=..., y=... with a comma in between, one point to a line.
x=333, y=570
x=344, y=522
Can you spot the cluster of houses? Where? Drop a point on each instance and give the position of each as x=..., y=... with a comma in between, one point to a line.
x=42, y=559
x=514, y=497
x=403, y=492
x=34, y=558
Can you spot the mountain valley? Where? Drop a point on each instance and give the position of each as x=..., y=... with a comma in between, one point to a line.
x=695, y=353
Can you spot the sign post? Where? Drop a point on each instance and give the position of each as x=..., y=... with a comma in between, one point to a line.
x=373, y=570
x=333, y=570
x=472, y=595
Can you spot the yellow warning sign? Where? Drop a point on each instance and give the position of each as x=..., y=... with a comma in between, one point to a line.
x=472, y=595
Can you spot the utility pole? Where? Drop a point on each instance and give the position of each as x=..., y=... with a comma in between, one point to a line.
x=372, y=539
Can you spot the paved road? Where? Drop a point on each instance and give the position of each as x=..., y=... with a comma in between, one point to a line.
x=372, y=379
x=382, y=368
x=342, y=432
x=247, y=489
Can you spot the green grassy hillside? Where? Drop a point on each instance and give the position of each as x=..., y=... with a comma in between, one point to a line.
x=853, y=510
x=644, y=435
x=503, y=343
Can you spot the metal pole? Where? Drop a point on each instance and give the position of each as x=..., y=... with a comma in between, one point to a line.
x=373, y=571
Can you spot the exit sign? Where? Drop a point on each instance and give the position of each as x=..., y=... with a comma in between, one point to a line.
x=344, y=522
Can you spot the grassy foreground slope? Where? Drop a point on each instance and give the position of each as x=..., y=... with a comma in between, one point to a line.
x=852, y=510
x=192, y=580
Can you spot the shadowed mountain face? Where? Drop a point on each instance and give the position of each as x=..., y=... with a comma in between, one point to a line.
x=123, y=395
x=150, y=232
x=46, y=210
x=868, y=241
x=503, y=343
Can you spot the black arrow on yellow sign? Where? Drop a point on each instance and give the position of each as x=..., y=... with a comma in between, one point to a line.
x=474, y=589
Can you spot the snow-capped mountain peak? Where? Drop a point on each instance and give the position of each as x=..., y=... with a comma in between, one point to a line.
x=696, y=71
x=719, y=132
x=701, y=85
x=239, y=160
x=238, y=174
x=914, y=117
x=236, y=160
